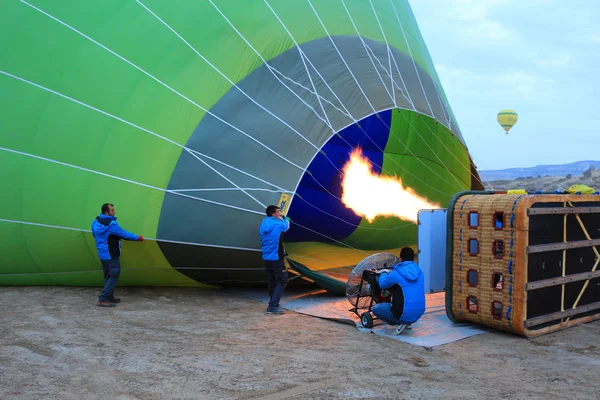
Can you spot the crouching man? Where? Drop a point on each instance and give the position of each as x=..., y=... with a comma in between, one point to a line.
x=406, y=283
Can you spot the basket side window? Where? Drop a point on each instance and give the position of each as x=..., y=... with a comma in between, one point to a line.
x=498, y=248
x=473, y=304
x=473, y=247
x=472, y=277
x=498, y=281
x=496, y=310
x=499, y=220
x=474, y=219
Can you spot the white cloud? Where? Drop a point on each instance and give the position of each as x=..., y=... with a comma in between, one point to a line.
x=592, y=38
x=519, y=86
x=473, y=21
x=483, y=30
x=475, y=10
x=558, y=61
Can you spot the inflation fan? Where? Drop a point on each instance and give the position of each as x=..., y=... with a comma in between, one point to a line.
x=362, y=290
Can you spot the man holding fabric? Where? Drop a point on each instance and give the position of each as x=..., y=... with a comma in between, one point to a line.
x=108, y=235
x=271, y=232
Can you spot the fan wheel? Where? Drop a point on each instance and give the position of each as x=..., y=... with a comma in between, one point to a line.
x=366, y=319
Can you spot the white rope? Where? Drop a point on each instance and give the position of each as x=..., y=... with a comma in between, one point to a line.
x=300, y=255
x=434, y=152
x=302, y=57
x=325, y=82
x=443, y=105
x=345, y=63
x=225, y=77
x=229, y=189
x=389, y=54
x=182, y=95
x=310, y=91
x=12, y=221
x=227, y=179
x=272, y=69
x=366, y=51
x=127, y=180
x=413, y=60
x=468, y=168
x=332, y=239
x=238, y=170
x=372, y=107
x=166, y=268
x=407, y=95
x=112, y=116
x=376, y=70
x=394, y=83
x=150, y=76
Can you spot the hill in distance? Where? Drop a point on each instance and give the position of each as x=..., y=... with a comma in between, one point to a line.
x=576, y=168
x=546, y=178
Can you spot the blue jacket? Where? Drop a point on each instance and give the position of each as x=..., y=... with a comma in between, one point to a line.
x=108, y=235
x=271, y=239
x=409, y=277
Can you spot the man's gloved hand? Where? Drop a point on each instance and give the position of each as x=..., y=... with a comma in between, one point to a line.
x=387, y=271
x=140, y=238
x=287, y=218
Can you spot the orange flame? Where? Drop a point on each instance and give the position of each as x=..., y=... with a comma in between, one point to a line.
x=371, y=195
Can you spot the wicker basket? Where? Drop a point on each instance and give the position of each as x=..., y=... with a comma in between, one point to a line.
x=526, y=264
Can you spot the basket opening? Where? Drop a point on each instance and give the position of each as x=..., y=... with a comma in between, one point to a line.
x=473, y=304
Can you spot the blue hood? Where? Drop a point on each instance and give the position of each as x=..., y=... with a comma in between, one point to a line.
x=268, y=224
x=409, y=270
x=100, y=227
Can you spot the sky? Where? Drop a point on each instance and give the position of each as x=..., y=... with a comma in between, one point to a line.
x=540, y=58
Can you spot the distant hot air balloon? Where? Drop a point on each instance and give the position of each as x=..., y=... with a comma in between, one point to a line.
x=507, y=119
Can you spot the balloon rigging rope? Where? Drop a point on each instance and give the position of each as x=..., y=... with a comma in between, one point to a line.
x=432, y=114
x=129, y=180
x=219, y=71
x=437, y=90
x=224, y=76
x=413, y=60
x=364, y=45
x=11, y=221
x=389, y=54
x=193, y=151
x=272, y=69
x=152, y=77
x=227, y=179
x=362, y=91
x=140, y=69
x=126, y=121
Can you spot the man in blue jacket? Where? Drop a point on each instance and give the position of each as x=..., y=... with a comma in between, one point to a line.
x=108, y=235
x=407, y=284
x=271, y=232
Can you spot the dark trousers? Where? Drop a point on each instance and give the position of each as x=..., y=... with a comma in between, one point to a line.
x=277, y=279
x=112, y=272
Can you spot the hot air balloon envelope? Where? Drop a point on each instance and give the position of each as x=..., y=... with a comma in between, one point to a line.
x=507, y=119
x=191, y=117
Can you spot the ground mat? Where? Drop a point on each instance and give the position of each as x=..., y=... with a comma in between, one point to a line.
x=433, y=329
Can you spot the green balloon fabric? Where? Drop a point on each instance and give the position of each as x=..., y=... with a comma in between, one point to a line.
x=191, y=117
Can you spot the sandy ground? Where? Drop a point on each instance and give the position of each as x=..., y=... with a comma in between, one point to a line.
x=163, y=343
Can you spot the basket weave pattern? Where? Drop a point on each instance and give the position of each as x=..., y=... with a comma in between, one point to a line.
x=486, y=266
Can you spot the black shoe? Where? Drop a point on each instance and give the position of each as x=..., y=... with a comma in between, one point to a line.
x=274, y=311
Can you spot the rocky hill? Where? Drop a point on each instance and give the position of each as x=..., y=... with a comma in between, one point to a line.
x=576, y=168
x=590, y=177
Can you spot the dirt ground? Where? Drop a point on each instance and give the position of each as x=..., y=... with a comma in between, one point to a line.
x=165, y=343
